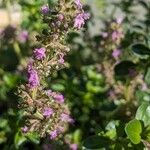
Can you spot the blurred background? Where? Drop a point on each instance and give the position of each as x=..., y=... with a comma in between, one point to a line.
x=94, y=96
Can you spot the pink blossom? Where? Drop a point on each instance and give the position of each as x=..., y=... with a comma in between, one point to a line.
x=60, y=17
x=59, y=98
x=78, y=3
x=119, y=20
x=61, y=59
x=49, y=92
x=23, y=36
x=104, y=34
x=39, y=53
x=33, y=79
x=66, y=118
x=45, y=9
x=24, y=129
x=80, y=20
x=116, y=35
x=48, y=112
x=73, y=146
x=116, y=53
x=53, y=134
x=60, y=129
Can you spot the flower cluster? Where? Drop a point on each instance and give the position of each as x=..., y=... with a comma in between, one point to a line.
x=81, y=17
x=33, y=79
x=113, y=37
x=44, y=110
x=111, y=44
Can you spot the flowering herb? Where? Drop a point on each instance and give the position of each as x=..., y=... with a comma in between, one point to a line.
x=23, y=36
x=45, y=110
x=45, y=9
x=39, y=53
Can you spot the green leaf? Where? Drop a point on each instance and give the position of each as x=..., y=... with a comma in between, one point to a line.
x=58, y=87
x=93, y=75
x=95, y=88
x=34, y=137
x=77, y=136
x=143, y=114
x=3, y=137
x=11, y=80
x=19, y=139
x=140, y=50
x=133, y=130
x=96, y=142
x=147, y=77
x=111, y=129
x=3, y=123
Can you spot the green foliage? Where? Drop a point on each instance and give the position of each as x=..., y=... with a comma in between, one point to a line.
x=33, y=137
x=147, y=76
x=103, y=120
x=19, y=140
x=95, y=143
x=141, y=50
x=143, y=114
x=133, y=130
x=114, y=137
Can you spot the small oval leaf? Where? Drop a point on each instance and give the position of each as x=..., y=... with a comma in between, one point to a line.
x=140, y=49
x=133, y=130
x=96, y=142
x=143, y=113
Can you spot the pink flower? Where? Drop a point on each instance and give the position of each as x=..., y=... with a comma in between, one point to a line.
x=24, y=129
x=49, y=92
x=59, y=98
x=39, y=53
x=53, y=134
x=116, y=35
x=45, y=9
x=61, y=59
x=60, y=130
x=48, y=112
x=73, y=146
x=23, y=36
x=116, y=53
x=60, y=17
x=104, y=34
x=80, y=20
x=119, y=20
x=33, y=79
x=66, y=118
x=78, y=3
